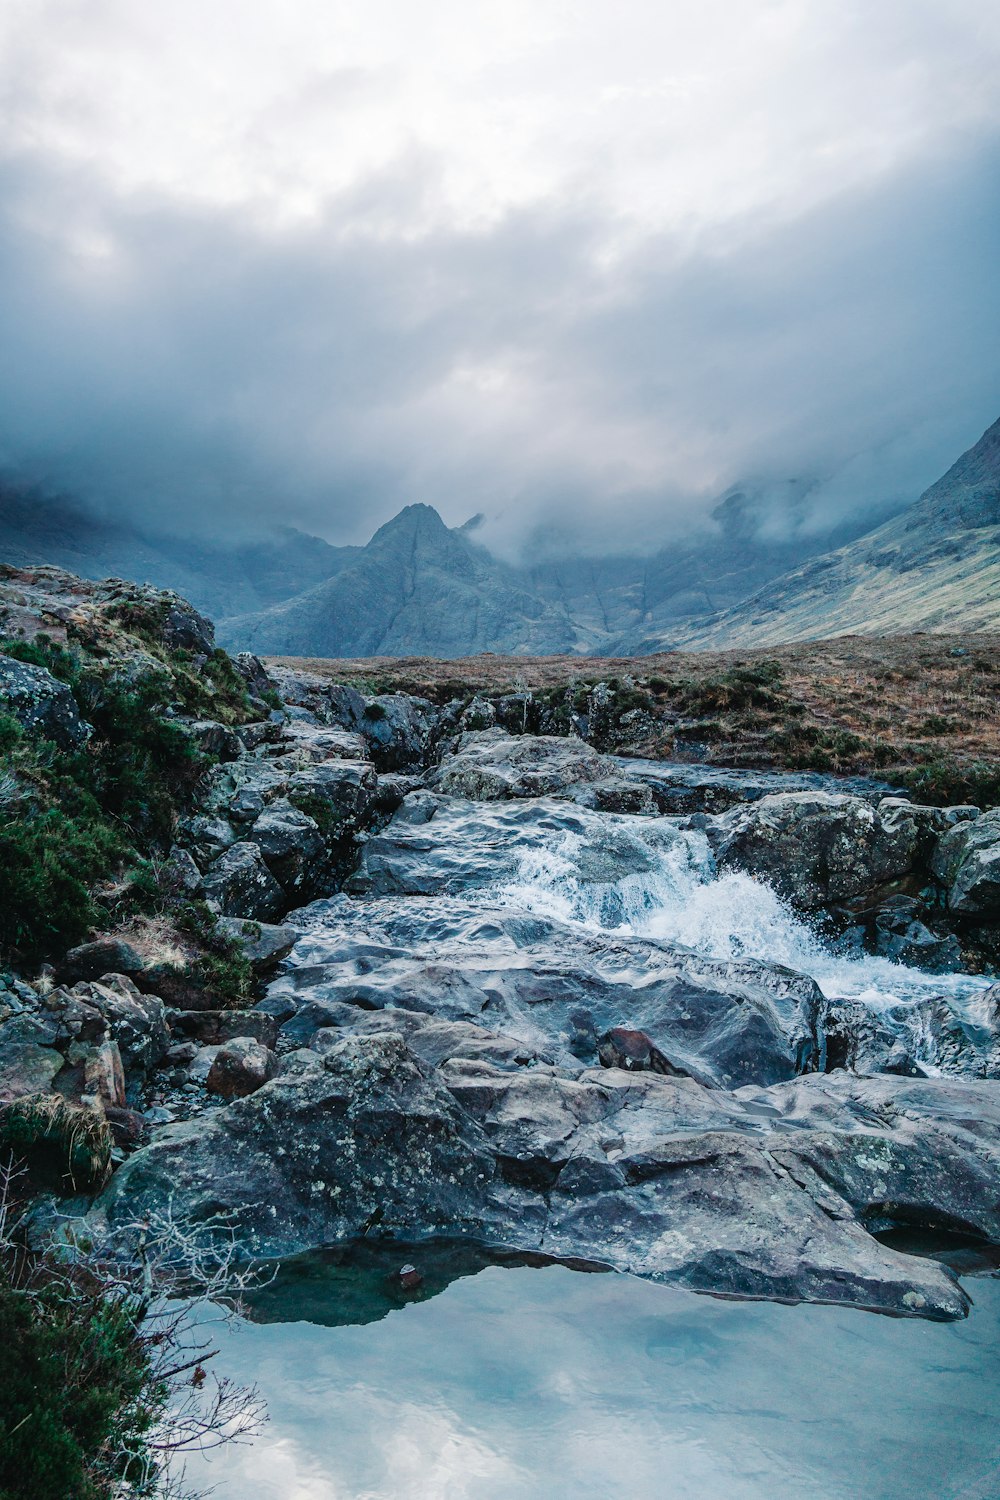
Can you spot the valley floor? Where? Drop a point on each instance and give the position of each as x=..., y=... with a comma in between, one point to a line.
x=921, y=709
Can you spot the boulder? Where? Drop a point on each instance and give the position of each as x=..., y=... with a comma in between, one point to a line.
x=289, y=840
x=182, y=627
x=966, y=861
x=242, y=885
x=820, y=848
x=179, y=874
x=105, y=955
x=41, y=704
x=262, y=944
x=251, y=669
x=212, y=738
x=770, y=1192
x=207, y=837
x=241, y=1066
x=341, y=793
x=368, y=1136
x=103, y=1074
x=136, y=1022
x=491, y=766
x=398, y=729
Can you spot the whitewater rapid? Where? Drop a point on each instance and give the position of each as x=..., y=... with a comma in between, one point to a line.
x=681, y=899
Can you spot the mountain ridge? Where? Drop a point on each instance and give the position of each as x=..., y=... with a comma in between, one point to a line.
x=935, y=566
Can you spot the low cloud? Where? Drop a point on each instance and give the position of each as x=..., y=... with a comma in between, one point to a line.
x=192, y=361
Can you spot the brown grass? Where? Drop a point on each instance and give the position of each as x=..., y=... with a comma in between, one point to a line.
x=919, y=705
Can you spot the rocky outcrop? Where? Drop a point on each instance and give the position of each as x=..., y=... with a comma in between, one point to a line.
x=967, y=863
x=490, y=766
x=86, y=1043
x=819, y=849
x=41, y=704
x=762, y=1192
x=241, y=885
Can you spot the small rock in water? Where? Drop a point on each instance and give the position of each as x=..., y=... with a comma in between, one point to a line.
x=410, y=1278
x=634, y=1051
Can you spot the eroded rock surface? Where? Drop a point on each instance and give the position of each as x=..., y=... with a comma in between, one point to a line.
x=757, y=1192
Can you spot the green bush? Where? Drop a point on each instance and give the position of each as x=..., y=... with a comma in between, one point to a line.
x=49, y=860
x=77, y=1398
x=43, y=652
x=945, y=782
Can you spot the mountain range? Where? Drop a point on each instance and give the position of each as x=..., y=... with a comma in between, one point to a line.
x=421, y=588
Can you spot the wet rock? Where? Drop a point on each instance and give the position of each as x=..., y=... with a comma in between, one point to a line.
x=491, y=766
x=967, y=863
x=900, y=936
x=762, y=1192
x=554, y=988
x=241, y=1066
x=369, y=1136
x=41, y=704
x=243, y=886
x=819, y=848
x=635, y=1052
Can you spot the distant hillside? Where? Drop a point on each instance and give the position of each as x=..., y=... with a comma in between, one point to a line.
x=934, y=567
x=218, y=577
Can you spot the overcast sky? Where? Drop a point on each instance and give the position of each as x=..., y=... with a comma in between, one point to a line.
x=559, y=261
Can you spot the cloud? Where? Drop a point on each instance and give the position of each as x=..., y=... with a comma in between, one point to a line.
x=315, y=266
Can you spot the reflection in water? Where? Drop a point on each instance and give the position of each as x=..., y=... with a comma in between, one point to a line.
x=524, y=1384
x=359, y=1281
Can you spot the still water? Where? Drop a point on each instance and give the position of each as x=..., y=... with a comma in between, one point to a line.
x=518, y=1383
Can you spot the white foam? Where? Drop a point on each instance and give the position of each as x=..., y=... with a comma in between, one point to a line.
x=681, y=898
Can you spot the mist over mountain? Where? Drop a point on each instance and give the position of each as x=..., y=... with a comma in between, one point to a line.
x=935, y=567
x=421, y=588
